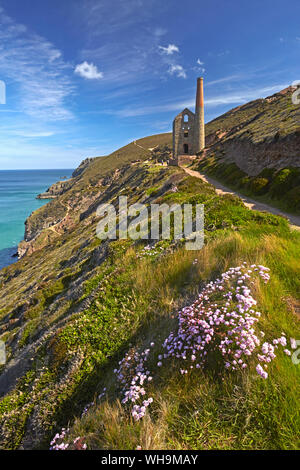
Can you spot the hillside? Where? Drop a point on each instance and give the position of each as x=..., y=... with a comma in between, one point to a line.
x=255, y=148
x=85, y=188
x=74, y=309
x=262, y=133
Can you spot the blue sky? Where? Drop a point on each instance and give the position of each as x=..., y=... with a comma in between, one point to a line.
x=84, y=77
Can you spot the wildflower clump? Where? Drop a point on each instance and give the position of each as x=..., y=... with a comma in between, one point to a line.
x=221, y=327
x=58, y=442
x=150, y=251
x=222, y=324
x=133, y=377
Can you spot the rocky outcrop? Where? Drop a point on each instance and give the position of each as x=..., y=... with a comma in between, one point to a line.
x=253, y=157
x=82, y=167
x=56, y=189
x=264, y=133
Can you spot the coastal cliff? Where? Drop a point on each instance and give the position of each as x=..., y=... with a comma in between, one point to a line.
x=264, y=133
x=56, y=189
x=76, y=310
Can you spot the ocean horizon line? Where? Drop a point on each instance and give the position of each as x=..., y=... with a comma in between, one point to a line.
x=36, y=169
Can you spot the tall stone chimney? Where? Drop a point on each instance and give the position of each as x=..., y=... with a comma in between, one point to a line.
x=199, y=136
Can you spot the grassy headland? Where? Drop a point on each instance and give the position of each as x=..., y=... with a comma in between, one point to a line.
x=73, y=308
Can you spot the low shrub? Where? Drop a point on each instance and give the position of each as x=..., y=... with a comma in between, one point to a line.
x=292, y=198
x=284, y=180
x=259, y=185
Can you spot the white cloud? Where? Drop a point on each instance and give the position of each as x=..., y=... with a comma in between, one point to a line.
x=199, y=67
x=89, y=71
x=177, y=70
x=169, y=50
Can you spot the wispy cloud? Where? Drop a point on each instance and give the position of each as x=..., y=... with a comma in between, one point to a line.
x=34, y=134
x=142, y=58
x=219, y=54
x=158, y=32
x=228, y=78
x=169, y=50
x=199, y=67
x=227, y=99
x=111, y=16
x=89, y=71
x=35, y=67
x=140, y=54
x=30, y=157
x=178, y=70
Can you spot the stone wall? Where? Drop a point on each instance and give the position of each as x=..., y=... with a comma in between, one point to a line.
x=183, y=134
x=254, y=157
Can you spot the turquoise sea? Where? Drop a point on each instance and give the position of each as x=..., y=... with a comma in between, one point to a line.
x=18, y=191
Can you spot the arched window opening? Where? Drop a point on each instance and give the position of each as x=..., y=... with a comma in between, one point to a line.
x=185, y=118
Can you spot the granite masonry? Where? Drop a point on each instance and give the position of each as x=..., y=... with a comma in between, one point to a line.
x=188, y=128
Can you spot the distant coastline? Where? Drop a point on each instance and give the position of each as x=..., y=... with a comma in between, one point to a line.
x=18, y=198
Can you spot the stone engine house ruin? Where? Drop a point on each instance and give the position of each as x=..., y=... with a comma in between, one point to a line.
x=188, y=128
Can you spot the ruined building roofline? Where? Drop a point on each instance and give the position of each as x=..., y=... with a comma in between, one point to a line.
x=185, y=110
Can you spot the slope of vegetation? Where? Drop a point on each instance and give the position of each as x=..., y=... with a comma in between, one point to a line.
x=210, y=408
x=260, y=120
x=71, y=311
x=279, y=187
x=255, y=148
x=86, y=187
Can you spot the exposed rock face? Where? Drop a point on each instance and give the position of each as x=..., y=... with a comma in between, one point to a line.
x=253, y=157
x=83, y=165
x=56, y=189
x=264, y=133
x=54, y=219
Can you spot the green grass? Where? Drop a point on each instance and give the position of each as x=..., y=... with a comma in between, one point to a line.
x=280, y=188
x=202, y=410
x=81, y=304
x=259, y=120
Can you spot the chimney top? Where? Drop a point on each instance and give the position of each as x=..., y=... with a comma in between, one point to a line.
x=199, y=94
